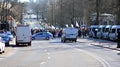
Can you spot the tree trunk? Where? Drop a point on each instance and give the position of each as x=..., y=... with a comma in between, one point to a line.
x=97, y=11
x=118, y=22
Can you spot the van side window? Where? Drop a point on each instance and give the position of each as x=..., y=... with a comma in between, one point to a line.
x=107, y=30
x=118, y=30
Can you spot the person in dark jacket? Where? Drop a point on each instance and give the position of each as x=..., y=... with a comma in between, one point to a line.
x=118, y=40
x=79, y=33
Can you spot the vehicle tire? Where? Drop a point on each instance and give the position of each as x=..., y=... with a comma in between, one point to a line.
x=47, y=38
x=29, y=44
x=75, y=40
x=0, y=52
x=17, y=44
x=7, y=44
x=3, y=52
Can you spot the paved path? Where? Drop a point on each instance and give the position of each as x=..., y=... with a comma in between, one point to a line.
x=100, y=43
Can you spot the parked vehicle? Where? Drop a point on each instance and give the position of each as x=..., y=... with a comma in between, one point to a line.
x=70, y=34
x=100, y=31
x=23, y=35
x=2, y=46
x=107, y=31
x=42, y=35
x=93, y=31
x=5, y=38
x=114, y=32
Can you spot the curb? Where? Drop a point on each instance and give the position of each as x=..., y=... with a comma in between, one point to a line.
x=106, y=47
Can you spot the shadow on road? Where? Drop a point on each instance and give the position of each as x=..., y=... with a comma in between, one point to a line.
x=61, y=42
x=118, y=54
x=13, y=45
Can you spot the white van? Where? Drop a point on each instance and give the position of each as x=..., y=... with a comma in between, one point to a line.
x=23, y=35
x=107, y=31
x=93, y=30
x=100, y=31
x=69, y=33
x=114, y=32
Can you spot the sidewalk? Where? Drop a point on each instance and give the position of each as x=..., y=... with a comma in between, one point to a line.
x=100, y=43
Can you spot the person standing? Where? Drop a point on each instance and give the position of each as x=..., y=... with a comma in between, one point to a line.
x=118, y=40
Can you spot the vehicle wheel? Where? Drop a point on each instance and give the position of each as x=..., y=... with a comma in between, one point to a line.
x=0, y=52
x=17, y=44
x=47, y=38
x=29, y=44
x=7, y=44
x=3, y=51
x=75, y=40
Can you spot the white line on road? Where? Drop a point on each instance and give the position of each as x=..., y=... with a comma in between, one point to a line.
x=42, y=63
x=101, y=60
x=49, y=57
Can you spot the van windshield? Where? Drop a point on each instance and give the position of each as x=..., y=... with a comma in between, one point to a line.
x=113, y=30
x=107, y=30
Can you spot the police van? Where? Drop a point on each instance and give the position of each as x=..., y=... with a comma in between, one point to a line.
x=93, y=31
x=100, y=31
x=114, y=32
x=70, y=34
x=107, y=31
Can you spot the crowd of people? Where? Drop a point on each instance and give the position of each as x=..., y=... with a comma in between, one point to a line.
x=82, y=32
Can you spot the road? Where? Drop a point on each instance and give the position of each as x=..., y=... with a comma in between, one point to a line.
x=53, y=53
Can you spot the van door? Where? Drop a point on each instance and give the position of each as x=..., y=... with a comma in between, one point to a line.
x=23, y=34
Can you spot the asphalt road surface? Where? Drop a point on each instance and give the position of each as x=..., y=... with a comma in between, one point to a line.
x=53, y=53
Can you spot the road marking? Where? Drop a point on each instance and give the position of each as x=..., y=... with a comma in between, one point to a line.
x=101, y=60
x=42, y=63
x=49, y=57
